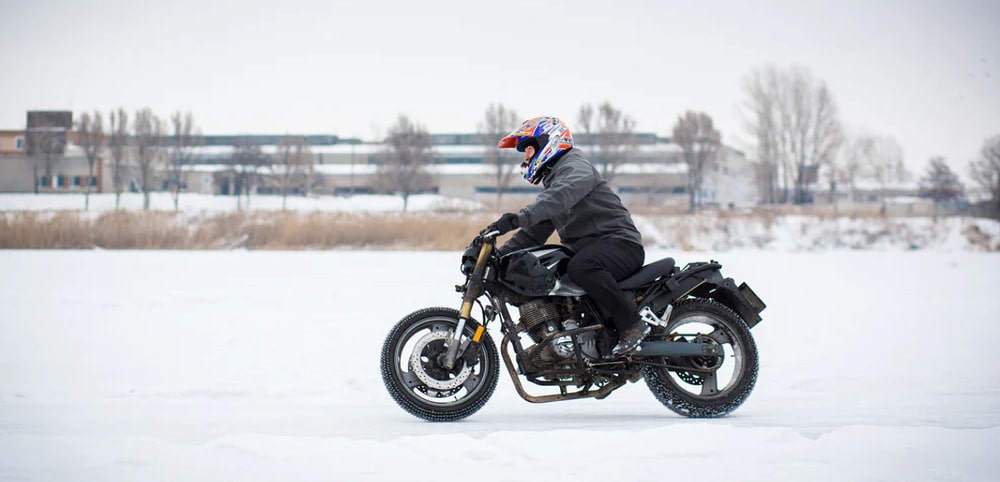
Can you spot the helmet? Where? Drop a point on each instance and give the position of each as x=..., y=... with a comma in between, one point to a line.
x=548, y=135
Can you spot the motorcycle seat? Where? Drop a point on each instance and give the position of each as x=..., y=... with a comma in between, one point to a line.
x=647, y=274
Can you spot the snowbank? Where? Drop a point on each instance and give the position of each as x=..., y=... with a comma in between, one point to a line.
x=813, y=233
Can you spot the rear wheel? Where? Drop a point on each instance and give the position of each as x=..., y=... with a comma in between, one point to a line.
x=417, y=381
x=706, y=386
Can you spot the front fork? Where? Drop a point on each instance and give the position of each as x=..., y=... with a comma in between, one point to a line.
x=472, y=291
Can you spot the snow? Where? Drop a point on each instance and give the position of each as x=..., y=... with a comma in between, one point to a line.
x=263, y=366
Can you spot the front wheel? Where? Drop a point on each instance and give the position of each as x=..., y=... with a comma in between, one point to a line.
x=706, y=386
x=413, y=374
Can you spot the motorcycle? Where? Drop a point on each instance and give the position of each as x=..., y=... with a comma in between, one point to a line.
x=699, y=359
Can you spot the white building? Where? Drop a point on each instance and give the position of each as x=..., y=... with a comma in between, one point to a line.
x=652, y=171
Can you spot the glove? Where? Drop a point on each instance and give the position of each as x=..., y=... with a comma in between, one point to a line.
x=506, y=224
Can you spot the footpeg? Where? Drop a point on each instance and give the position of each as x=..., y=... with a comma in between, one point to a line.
x=650, y=318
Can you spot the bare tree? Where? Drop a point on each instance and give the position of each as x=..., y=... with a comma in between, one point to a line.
x=586, y=120
x=832, y=173
x=985, y=171
x=699, y=141
x=292, y=166
x=402, y=166
x=185, y=138
x=763, y=126
x=91, y=133
x=147, y=131
x=247, y=161
x=939, y=183
x=117, y=145
x=498, y=122
x=766, y=178
x=614, y=135
x=885, y=161
x=794, y=119
x=46, y=145
x=855, y=155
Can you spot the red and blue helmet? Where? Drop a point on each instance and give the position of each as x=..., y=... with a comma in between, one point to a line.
x=548, y=135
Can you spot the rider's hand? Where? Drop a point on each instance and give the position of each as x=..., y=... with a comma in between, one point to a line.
x=506, y=224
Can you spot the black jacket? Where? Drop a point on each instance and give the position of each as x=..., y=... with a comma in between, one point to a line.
x=577, y=203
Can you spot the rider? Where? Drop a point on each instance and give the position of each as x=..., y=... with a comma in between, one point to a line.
x=589, y=216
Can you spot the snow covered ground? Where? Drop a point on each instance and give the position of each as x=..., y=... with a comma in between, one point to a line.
x=209, y=366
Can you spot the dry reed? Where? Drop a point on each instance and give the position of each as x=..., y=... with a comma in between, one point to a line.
x=257, y=230
x=318, y=230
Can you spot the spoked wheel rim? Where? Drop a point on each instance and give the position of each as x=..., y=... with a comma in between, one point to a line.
x=707, y=377
x=417, y=365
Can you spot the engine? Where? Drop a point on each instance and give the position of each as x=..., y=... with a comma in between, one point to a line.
x=545, y=316
x=540, y=317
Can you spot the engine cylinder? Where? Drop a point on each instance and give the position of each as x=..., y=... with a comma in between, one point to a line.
x=539, y=317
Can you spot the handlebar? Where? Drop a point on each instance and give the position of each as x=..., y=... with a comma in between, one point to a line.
x=484, y=234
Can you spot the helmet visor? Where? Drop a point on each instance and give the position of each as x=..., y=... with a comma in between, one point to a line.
x=507, y=142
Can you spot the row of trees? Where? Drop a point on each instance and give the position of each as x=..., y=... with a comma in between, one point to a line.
x=289, y=169
x=403, y=166
x=795, y=122
x=136, y=149
x=145, y=150
x=791, y=116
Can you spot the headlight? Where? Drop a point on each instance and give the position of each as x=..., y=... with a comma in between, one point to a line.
x=469, y=258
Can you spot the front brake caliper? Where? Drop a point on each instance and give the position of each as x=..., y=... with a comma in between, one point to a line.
x=470, y=352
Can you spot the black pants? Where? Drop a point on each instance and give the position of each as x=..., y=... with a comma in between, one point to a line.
x=599, y=266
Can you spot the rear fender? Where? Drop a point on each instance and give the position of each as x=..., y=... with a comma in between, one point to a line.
x=704, y=280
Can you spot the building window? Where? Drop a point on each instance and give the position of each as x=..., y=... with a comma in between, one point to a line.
x=93, y=181
x=60, y=181
x=19, y=143
x=77, y=181
x=43, y=181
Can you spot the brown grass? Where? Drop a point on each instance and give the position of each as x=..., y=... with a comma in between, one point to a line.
x=259, y=230
x=299, y=230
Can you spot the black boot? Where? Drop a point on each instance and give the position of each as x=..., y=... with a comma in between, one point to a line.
x=629, y=339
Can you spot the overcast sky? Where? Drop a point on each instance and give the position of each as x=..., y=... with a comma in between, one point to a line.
x=926, y=73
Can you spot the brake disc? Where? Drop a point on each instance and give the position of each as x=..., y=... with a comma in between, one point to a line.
x=702, y=362
x=424, y=363
x=690, y=378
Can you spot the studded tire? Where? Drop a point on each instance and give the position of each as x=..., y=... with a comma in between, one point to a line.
x=668, y=387
x=411, y=394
